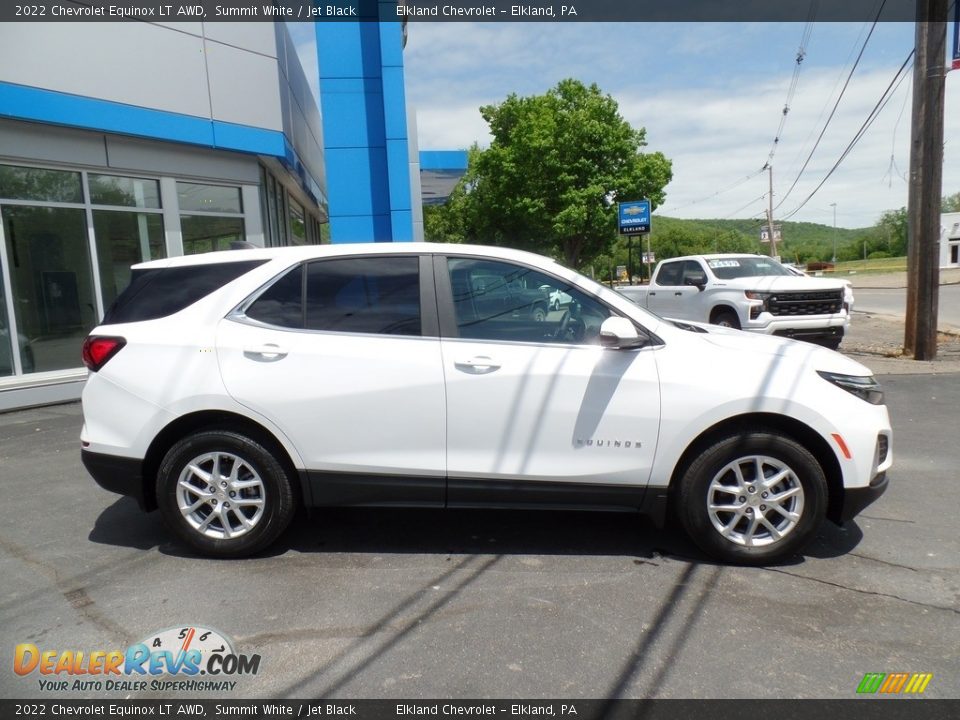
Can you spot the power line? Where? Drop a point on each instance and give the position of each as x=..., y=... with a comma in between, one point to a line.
x=835, y=106
x=735, y=184
x=795, y=79
x=874, y=113
x=740, y=210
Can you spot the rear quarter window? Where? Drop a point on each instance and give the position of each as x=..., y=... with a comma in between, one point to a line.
x=158, y=292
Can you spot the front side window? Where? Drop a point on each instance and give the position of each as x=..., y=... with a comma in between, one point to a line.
x=670, y=273
x=364, y=295
x=500, y=301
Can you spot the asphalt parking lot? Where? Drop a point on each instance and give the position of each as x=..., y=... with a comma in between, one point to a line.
x=470, y=604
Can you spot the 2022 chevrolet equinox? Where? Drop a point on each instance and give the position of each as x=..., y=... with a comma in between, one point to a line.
x=228, y=388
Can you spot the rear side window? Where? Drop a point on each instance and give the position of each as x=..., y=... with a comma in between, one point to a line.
x=364, y=295
x=158, y=292
x=281, y=304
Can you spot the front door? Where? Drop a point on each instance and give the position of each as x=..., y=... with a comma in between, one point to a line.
x=541, y=401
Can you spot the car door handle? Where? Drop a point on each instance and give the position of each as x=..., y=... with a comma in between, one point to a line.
x=479, y=365
x=267, y=351
x=653, y=293
x=678, y=293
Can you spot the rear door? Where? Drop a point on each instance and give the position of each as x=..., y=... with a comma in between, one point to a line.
x=669, y=297
x=343, y=355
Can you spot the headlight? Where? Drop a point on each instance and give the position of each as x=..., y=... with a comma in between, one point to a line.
x=864, y=387
x=755, y=310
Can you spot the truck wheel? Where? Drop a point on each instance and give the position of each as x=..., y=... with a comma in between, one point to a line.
x=224, y=493
x=752, y=498
x=539, y=314
x=725, y=318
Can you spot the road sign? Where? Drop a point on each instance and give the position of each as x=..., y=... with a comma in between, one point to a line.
x=649, y=258
x=634, y=217
x=765, y=233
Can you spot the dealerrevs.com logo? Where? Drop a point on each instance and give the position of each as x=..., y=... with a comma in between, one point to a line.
x=170, y=660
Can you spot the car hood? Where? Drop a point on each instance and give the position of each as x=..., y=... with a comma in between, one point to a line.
x=782, y=283
x=802, y=353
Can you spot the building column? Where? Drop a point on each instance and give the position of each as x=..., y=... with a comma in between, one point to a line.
x=366, y=148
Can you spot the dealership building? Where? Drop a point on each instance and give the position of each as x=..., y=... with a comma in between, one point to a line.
x=129, y=141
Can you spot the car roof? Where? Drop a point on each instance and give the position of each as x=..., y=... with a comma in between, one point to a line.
x=309, y=252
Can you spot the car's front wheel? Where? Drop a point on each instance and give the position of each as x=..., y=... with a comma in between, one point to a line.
x=752, y=498
x=224, y=493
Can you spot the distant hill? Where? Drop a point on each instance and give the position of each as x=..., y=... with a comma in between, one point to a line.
x=801, y=241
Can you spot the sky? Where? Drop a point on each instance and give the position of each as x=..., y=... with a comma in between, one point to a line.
x=711, y=98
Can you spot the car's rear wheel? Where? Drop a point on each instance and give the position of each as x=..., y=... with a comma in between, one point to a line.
x=752, y=498
x=224, y=493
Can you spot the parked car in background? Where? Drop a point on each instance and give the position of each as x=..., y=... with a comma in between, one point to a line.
x=747, y=292
x=558, y=298
x=227, y=389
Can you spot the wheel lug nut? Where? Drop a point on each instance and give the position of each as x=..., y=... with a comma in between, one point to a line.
x=763, y=495
x=751, y=489
x=212, y=488
x=763, y=507
x=226, y=505
x=213, y=502
x=749, y=511
x=223, y=483
x=232, y=494
x=742, y=498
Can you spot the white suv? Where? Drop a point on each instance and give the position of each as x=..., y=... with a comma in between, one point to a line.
x=226, y=389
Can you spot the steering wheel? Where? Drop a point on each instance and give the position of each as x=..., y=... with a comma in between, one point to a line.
x=563, y=327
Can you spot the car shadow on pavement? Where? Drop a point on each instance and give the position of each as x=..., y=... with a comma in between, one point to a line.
x=457, y=532
x=125, y=525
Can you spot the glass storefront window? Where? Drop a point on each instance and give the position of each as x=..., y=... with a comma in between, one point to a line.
x=298, y=229
x=124, y=239
x=205, y=233
x=124, y=191
x=25, y=183
x=6, y=342
x=209, y=198
x=51, y=284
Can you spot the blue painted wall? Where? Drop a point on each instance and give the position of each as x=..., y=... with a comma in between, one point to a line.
x=364, y=112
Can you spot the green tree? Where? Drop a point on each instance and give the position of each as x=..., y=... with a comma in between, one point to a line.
x=556, y=166
x=950, y=203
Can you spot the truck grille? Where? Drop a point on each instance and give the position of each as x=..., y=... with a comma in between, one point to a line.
x=806, y=303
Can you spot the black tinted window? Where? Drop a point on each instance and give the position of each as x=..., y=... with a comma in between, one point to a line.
x=500, y=301
x=670, y=274
x=366, y=295
x=282, y=303
x=156, y=293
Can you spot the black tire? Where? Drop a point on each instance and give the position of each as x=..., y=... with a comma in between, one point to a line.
x=832, y=343
x=726, y=318
x=538, y=314
x=760, y=545
x=260, y=478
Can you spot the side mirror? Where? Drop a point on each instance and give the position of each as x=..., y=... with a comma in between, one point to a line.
x=700, y=283
x=620, y=334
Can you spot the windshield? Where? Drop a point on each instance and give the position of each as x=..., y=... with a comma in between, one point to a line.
x=749, y=266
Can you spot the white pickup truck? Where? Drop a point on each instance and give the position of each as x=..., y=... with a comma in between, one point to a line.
x=748, y=292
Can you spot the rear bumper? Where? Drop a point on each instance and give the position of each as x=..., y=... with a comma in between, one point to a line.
x=855, y=500
x=117, y=474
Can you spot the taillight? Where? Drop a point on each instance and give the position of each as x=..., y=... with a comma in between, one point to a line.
x=97, y=349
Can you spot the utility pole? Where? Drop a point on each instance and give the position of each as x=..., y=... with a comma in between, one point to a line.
x=926, y=174
x=773, y=238
x=834, y=206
